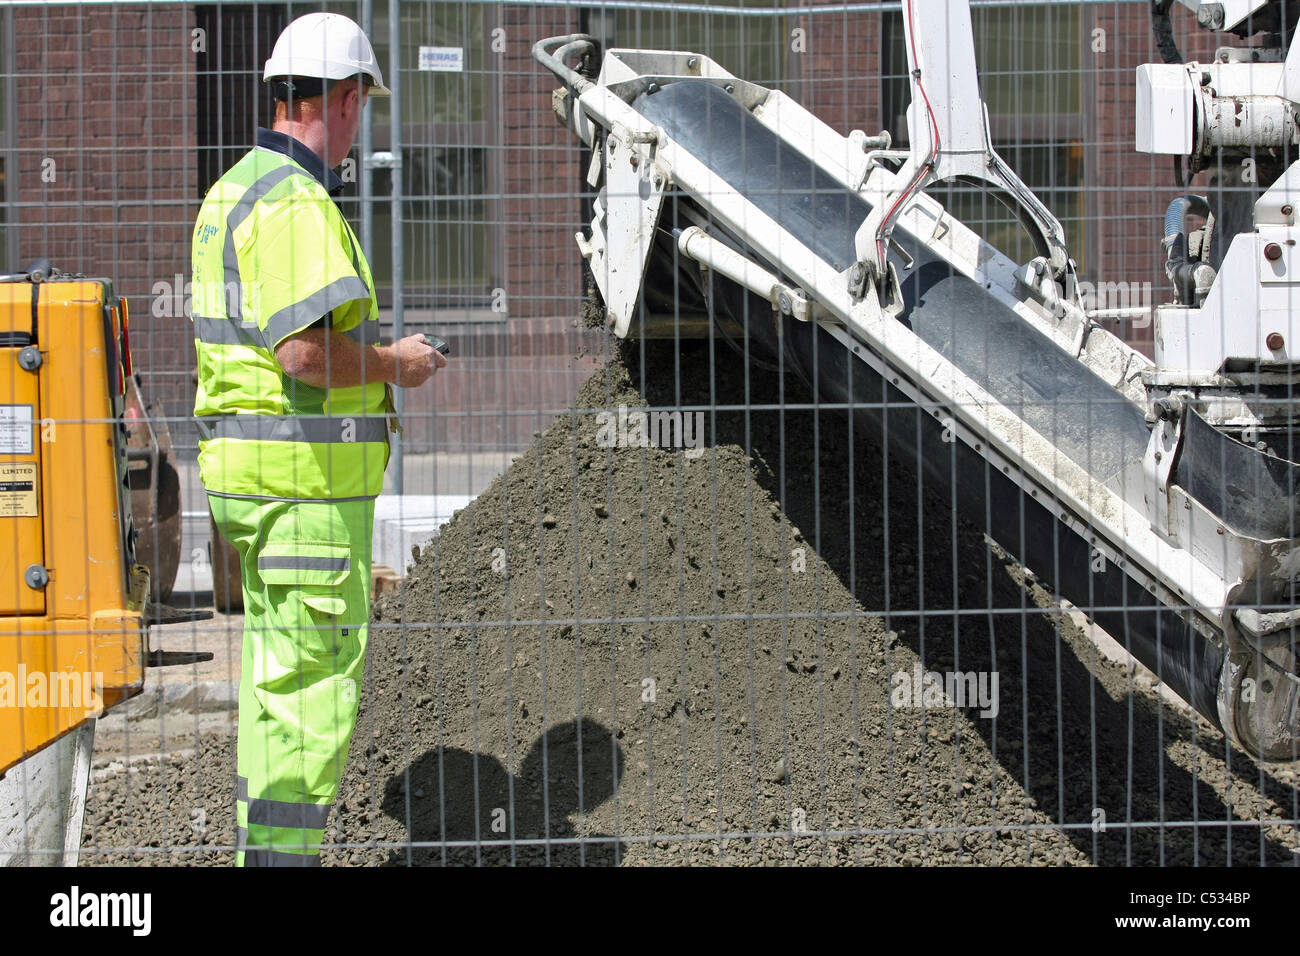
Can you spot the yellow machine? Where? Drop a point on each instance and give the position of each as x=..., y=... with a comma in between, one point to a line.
x=73, y=637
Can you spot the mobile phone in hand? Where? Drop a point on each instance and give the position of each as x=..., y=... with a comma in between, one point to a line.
x=439, y=344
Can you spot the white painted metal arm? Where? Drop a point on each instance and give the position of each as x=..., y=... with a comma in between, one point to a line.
x=948, y=131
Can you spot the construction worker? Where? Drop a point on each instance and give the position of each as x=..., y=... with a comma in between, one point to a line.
x=293, y=410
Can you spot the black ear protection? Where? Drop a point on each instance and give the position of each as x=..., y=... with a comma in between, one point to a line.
x=287, y=88
x=297, y=87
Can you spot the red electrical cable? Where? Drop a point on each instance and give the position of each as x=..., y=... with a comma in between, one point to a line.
x=934, y=150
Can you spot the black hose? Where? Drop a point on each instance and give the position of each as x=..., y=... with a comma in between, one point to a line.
x=1164, y=31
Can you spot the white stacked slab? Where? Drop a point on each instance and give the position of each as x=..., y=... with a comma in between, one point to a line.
x=406, y=521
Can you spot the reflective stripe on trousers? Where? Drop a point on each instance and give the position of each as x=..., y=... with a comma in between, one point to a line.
x=281, y=815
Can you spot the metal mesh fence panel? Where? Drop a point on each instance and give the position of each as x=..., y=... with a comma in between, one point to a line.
x=669, y=566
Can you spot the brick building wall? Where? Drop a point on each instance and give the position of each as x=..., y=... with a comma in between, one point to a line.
x=543, y=170
x=107, y=184
x=105, y=161
x=842, y=55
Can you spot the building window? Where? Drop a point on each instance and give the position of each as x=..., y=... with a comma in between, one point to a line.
x=751, y=47
x=1031, y=70
x=451, y=160
x=232, y=99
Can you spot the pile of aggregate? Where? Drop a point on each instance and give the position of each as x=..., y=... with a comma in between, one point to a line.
x=645, y=655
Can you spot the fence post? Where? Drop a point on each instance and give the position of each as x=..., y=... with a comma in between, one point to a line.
x=399, y=249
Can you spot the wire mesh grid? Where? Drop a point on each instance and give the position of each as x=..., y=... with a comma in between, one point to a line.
x=723, y=591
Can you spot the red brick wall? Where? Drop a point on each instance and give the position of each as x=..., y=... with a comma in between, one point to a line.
x=105, y=164
x=543, y=171
x=108, y=94
x=839, y=71
x=505, y=385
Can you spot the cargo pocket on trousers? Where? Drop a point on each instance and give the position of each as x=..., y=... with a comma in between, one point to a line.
x=304, y=582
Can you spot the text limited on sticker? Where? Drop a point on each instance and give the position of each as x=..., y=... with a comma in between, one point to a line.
x=18, y=490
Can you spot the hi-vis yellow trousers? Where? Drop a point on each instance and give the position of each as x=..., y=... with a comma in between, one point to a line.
x=306, y=580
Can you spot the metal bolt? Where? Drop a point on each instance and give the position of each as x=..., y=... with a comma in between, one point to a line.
x=692, y=62
x=1272, y=252
x=1287, y=209
x=36, y=577
x=1275, y=341
x=29, y=358
x=652, y=88
x=729, y=88
x=1169, y=408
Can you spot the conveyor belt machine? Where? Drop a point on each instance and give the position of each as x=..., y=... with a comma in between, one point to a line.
x=1158, y=496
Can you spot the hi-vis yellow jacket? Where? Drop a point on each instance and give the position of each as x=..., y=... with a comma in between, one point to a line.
x=273, y=255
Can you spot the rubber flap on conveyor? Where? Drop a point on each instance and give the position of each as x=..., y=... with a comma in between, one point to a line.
x=1250, y=491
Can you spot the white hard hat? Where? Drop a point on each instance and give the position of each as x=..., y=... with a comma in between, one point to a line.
x=327, y=46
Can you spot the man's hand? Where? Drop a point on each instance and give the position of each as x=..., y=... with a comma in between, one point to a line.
x=414, y=360
x=329, y=359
